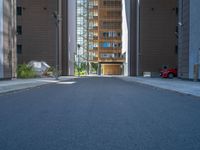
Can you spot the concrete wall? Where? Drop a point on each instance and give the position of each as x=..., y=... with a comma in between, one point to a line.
x=194, y=35
x=125, y=34
x=71, y=34
x=1, y=39
x=7, y=39
x=189, y=41
x=183, y=40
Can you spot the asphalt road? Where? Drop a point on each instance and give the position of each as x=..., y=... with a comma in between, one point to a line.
x=99, y=114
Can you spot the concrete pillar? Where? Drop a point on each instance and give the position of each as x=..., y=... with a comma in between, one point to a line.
x=1, y=40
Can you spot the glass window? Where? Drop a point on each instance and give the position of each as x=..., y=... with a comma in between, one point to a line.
x=19, y=49
x=19, y=30
x=19, y=11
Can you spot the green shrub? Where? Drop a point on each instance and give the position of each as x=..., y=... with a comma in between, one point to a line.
x=24, y=71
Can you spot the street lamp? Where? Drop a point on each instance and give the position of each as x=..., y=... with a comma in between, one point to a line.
x=58, y=19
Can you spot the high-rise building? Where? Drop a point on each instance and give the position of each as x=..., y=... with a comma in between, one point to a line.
x=105, y=35
x=7, y=39
x=42, y=28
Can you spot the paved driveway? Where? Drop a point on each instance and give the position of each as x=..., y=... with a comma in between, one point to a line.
x=99, y=114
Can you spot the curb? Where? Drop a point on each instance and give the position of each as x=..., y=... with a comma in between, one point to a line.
x=30, y=85
x=159, y=87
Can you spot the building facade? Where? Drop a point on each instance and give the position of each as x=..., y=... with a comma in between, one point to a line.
x=82, y=30
x=42, y=28
x=189, y=41
x=71, y=27
x=105, y=35
x=152, y=35
x=126, y=28
x=7, y=39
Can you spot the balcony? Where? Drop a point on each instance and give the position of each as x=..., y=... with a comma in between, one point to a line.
x=94, y=59
x=93, y=49
x=110, y=48
x=115, y=18
x=93, y=29
x=95, y=37
x=113, y=39
x=110, y=51
x=93, y=8
x=111, y=3
x=93, y=18
x=111, y=60
x=93, y=1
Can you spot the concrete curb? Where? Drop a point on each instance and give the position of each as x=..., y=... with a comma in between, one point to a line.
x=19, y=84
x=174, y=85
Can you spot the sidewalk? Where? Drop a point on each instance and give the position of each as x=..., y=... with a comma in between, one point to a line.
x=20, y=84
x=177, y=85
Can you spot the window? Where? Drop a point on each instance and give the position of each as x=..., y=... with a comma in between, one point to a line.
x=110, y=55
x=177, y=10
x=176, y=49
x=19, y=49
x=19, y=11
x=19, y=30
x=119, y=34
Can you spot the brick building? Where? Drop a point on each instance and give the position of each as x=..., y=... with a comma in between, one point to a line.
x=39, y=37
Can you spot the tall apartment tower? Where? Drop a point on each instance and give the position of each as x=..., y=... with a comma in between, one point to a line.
x=105, y=32
x=42, y=32
x=7, y=39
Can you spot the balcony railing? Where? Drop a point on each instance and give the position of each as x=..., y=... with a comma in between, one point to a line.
x=93, y=28
x=110, y=18
x=94, y=59
x=110, y=38
x=93, y=18
x=93, y=7
x=109, y=48
x=93, y=49
x=111, y=51
x=112, y=60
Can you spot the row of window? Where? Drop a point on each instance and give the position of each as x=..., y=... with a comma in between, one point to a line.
x=110, y=14
x=19, y=30
x=111, y=34
x=111, y=3
x=19, y=13
x=108, y=55
x=110, y=45
x=111, y=25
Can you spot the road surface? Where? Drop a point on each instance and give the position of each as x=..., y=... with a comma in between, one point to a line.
x=99, y=114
